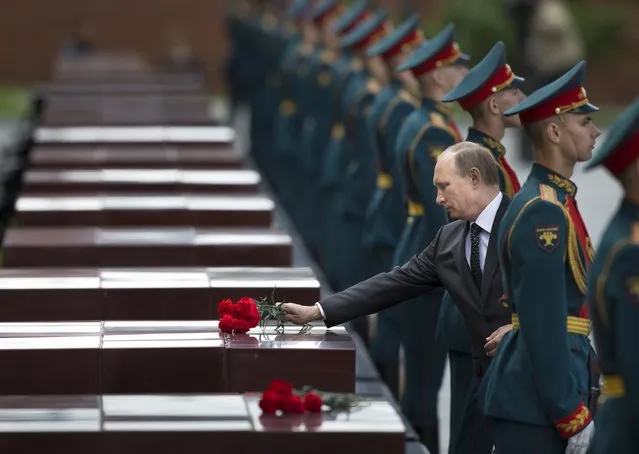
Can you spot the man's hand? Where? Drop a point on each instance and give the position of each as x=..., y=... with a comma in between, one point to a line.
x=300, y=315
x=578, y=444
x=492, y=341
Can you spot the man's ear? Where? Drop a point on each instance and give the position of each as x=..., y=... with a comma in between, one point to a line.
x=475, y=177
x=492, y=106
x=553, y=132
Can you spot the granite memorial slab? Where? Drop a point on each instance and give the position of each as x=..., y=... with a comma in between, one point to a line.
x=319, y=357
x=196, y=423
x=87, y=247
x=123, y=357
x=238, y=210
x=60, y=157
x=129, y=135
x=138, y=181
x=59, y=294
x=373, y=427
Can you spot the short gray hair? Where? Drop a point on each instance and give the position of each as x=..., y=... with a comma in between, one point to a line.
x=470, y=155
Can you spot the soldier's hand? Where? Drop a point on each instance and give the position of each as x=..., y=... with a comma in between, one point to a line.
x=300, y=315
x=578, y=444
x=492, y=341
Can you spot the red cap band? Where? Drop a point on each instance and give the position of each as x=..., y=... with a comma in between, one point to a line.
x=408, y=42
x=443, y=57
x=371, y=38
x=565, y=102
x=502, y=78
x=361, y=18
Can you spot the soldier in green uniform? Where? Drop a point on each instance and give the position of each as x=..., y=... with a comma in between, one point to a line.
x=292, y=111
x=357, y=173
x=536, y=391
x=438, y=65
x=613, y=293
x=385, y=215
x=357, y=93
x=327, y=74
x=488, y=90
x=348, y=66
x=316, y=122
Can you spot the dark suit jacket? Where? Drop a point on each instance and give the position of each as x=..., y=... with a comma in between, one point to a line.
x=442, y=264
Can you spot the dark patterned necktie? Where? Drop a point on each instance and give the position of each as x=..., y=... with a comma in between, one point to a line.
x=475, y=266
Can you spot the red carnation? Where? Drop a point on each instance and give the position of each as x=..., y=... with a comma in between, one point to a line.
x=271, y=402
x=281, y=387
x=225, y=307
x=240, y=326
x=226, y=323
x=313, y=403
x=293, y=404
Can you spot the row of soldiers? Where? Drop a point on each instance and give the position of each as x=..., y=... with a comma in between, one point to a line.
x=349, y=115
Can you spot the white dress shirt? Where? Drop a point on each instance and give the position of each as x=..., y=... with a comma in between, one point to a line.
x=485, y=220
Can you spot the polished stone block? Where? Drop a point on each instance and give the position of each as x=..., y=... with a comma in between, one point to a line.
x=61, y=157
x=319, y=357
x=60, y=294
x=374, y=427
x=136, y=247
x=140, y=181
x=144, y=210
x=115, y=357
x=89, y=135
x=196, y=423
x=162, y=357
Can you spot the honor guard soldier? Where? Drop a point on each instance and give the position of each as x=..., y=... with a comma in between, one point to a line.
x=385, y=216
x=292, y=111
x=303, y=208
x=438, y=65
x=346, y=212
x=613, y=293
x=269, y=42
x=537, y=388
x=332, y=72
x=489, y=89
x=276, y=165
x=358, y=177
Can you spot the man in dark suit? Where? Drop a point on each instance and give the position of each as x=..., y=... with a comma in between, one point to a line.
x=462, y=259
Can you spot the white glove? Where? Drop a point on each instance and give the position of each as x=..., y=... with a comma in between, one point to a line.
x=578, y=444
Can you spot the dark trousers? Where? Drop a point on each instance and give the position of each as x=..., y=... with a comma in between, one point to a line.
x=474, y=432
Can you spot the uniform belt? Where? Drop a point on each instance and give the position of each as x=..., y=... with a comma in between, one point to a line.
x=288, y=107
x=384, y=181
x=337, y=132
x=574, y=325
x=613, y=386
x=415, y=209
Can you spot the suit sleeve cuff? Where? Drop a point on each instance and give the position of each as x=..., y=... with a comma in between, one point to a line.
x=321, y=309
x=575, y=422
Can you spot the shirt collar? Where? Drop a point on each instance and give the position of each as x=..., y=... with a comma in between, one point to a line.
x=486, y=218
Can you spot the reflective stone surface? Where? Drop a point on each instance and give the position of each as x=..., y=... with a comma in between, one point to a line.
x=320, y=357
x=160, y=156
x=115, y=357
x=122, y=247
x=136, y=134
x=168, y=180
x=67, y=294
x=374, y=427
x=150, y=210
